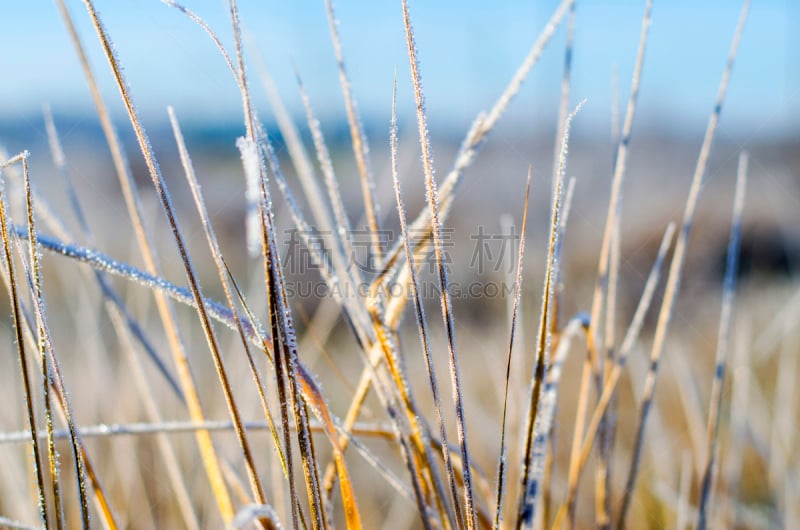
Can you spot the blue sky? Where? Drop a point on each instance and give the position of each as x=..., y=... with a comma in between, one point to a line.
x=468, y=51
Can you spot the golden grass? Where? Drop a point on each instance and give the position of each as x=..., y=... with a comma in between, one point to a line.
x=582, y=398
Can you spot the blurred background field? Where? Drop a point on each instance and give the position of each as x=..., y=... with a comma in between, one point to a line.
x=468, y=52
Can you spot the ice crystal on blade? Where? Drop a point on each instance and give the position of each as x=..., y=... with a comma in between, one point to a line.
x=250, y=162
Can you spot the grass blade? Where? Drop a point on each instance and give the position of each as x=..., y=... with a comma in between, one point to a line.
x=133, y=204
x=475, y=138
x=358, y=140
x=83, y=464
x=501, y=461
x=421, y=320
x=42, y=343
x=544, y=343
x=447, y=315
x=166, y=204
x=126, y=328
x=582, y=445
x=224, y=277
x=676, y=267
x=728, y=295
x=604, y=287
x=22, y=354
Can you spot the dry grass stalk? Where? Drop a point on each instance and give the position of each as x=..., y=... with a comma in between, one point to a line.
x=443, y=480
x=676, y=268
